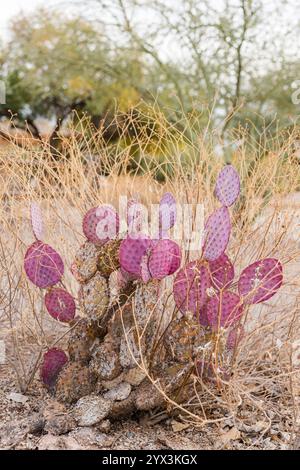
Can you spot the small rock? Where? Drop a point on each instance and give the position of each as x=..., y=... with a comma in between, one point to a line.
x=60, y=424
x=17, y=397
x=119, y=393
x=177, y=426
x=36, y=423
x=104, y=426
x=232, y=435
x=49, y=442
x=260, y=426
x=109, y=384
x=90, y=410
x=89, y=437
x=135, y=376
x=177, y=442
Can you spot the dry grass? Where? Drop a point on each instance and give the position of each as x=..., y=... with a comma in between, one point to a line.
x=265, y=374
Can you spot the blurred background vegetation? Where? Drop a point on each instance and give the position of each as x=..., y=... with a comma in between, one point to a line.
x=230, y=66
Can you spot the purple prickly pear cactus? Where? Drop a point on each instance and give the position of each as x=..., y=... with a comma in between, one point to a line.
x=216, y=234
x=224, y=309
x=60, y=305
x=101, y=224
x=167, y=213
x=260, y=281
x=53, y=362
x=221, y=271
x=132, y=251
x=36, y=220
x=43, y=265
x=164, y=259
x=228, y=186
x=191, y=289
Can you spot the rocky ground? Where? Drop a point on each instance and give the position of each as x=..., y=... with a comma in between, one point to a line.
x=37, y=421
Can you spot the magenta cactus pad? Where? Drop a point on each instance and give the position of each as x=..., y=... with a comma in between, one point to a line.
x=228, y=186
x=36, y=220
x=167, y=212
x=53, y=362
x=216, y=234
x=190, y=289
x=132, y=251
x=60, y=305
x=221, y=271
x=164, y=259
x=260, y=281
x=101, y=224
x=224, y=309
x=43, y=265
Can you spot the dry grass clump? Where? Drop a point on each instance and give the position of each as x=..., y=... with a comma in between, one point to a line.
x=149, y=157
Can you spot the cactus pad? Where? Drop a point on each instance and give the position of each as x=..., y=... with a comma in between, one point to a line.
x=36, y=220
x=53, y=362
x=108, y=258
x=260, y=281
x=221, y=271
x=164, y=259
x=74, y=381
x=85, y=264
x=167, y=212
x=224, y=309
x=105, y=362
x=216, y=234
x=101, y=224
x=82, y=337
x=180, y=340
x=43, y=265
x=190, y=289
x=228, y=186
x=60, y=305
x=94, y=297
x=132, y=251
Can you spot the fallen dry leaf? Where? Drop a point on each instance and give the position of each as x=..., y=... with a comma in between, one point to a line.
x=177, y=426
x=232, y=435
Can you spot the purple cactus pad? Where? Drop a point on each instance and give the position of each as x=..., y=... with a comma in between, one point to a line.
x=216, y=234
x=43, y=265
x=60, y=305
x=36, y=220
x=53, y=362
x=101, y=224
x=190, y=289
x=221, y=271
x=132, y=251
x=228, y=186
x=224, y=309
x=167, y=212
x=164, y=259
x=260, y=281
